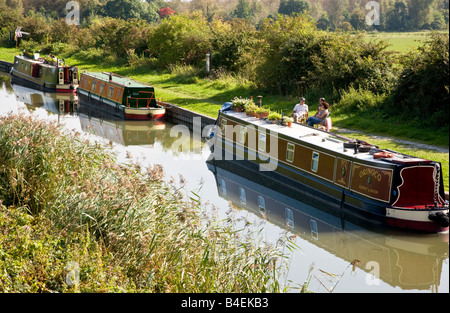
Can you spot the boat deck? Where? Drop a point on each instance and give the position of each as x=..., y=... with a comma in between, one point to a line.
x=321, y=138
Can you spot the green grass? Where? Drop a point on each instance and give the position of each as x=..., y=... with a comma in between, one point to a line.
x=401, y=42
x=7, y=54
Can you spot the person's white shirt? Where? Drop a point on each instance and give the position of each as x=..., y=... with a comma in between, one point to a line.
x=300, y=110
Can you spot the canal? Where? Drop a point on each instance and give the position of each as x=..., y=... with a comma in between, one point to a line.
x=331, y=253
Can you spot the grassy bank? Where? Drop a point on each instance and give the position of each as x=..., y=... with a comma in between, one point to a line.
x=73, y=220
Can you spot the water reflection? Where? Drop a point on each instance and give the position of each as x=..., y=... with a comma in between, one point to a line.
x=386, y=261
x=402, y=260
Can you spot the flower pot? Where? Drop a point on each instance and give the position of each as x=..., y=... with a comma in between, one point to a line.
x=289, y=124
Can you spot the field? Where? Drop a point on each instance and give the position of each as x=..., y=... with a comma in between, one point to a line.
x=401, y=42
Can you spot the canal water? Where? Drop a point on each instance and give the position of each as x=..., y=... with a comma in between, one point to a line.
x=328, y=252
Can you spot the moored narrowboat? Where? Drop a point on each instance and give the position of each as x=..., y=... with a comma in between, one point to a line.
x=45, y=74
x=350, y=176
x=398, y=254
x=119, y=96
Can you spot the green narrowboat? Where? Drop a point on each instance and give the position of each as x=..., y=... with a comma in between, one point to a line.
x=120, y=96
x=45, y=74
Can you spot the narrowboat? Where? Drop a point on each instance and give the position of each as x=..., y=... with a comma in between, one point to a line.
x=119, y=96
x=45, y=74
x=349, y=176
x=399, y=254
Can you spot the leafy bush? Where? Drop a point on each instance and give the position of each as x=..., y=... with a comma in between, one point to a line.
x=355, y=101
x=423, y=87
x=180, y=39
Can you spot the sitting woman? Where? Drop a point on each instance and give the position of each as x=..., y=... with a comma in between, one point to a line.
x=321, y=115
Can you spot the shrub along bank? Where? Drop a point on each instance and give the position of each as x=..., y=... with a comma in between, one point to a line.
x=73, y=220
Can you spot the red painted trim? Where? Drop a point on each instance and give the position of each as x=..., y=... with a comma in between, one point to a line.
x=418, y=187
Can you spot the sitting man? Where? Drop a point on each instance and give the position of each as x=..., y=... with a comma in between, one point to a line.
x=300, y=111
x=321, y=115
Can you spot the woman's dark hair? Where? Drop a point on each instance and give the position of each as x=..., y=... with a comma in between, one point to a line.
x=326, y=105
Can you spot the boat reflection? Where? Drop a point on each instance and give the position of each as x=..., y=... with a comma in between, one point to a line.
x=92, y=121
x=58, y=103
x=409, y=261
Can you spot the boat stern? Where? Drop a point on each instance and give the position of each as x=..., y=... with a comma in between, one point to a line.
x=144, y=113
x=427, y=219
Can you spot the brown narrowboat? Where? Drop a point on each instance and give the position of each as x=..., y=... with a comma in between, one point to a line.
x=349, y=175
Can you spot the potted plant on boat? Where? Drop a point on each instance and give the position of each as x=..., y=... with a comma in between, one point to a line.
x=240, y=103
x=288, y=121
x=262, y=113
x=274, y=117
x=250, y=108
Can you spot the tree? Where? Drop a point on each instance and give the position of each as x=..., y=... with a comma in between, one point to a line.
x=398, y=17
x=288, y=7
x=166, y=12
x=420, y=13
x=243, y=10
x=129, y=9
x=358, y=19
x=324, y=22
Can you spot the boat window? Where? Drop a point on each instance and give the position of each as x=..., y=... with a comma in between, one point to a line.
x=290, y=151
x=111, y=92
x=118, y=94
x=243, y=195
x=94, y=86
x=289, y=217
x=243, y=135
x=223, y=186
x=262, y=204
x=262, y=142
x=102, y=88
x=314, y=229
x=315, y=162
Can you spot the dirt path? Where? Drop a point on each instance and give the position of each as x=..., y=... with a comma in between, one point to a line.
x=409, y=143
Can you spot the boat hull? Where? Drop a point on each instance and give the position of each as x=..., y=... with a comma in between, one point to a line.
x=31, y=82
x=144, y=113
x=118, y=110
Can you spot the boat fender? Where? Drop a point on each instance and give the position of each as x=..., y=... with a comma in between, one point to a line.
x=440, y=218
x=383, y=155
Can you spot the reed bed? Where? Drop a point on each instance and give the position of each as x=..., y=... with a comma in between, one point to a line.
x=73, y=220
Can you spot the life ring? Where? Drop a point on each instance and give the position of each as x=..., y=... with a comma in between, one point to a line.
x=383, y=155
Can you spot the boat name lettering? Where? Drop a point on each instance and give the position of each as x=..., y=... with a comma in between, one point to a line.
x=370, y=171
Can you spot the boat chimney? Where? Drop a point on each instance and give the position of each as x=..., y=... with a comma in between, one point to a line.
x=110, y=77
x=259, y=100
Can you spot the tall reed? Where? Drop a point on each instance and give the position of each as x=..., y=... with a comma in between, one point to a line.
x=152, y=236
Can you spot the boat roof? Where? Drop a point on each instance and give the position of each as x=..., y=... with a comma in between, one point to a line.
x=322, y=139
x=39, y=61
x=118, y=79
